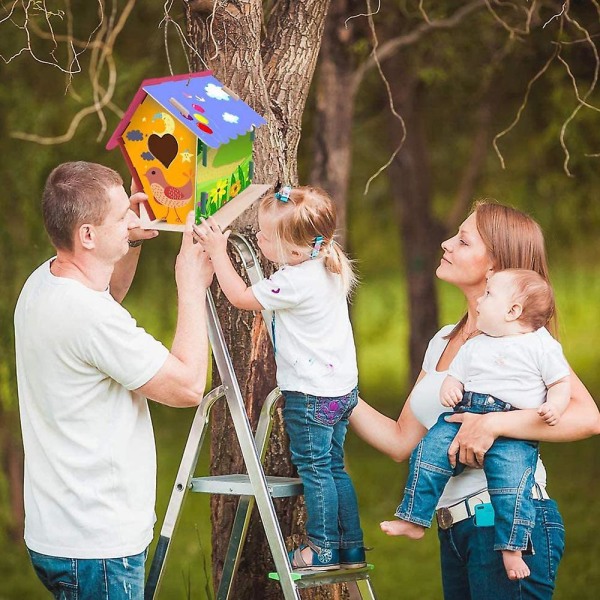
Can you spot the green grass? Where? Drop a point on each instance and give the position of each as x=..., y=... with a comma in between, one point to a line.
x=402, y=568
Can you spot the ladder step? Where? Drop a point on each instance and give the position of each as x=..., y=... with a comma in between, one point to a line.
x=239, y=485
x=305, y=579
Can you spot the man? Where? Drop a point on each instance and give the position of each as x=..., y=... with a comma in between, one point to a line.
x=84, y=371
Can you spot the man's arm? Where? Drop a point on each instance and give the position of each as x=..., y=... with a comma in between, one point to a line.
x=124, y=271
x=182, y=379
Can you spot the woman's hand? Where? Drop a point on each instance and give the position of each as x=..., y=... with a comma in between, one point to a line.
x=474, y=438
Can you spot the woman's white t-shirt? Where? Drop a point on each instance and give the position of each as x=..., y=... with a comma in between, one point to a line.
x=425, y=405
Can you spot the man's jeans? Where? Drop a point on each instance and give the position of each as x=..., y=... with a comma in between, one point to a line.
x=91, y=579
x=317, y=426
x=471, y=570
x=509, y=467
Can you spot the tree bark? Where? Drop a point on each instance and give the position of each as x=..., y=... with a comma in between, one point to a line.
x=272, y=75
x=334, y=110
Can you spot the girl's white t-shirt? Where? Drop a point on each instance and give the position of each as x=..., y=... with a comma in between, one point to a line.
x=314, y=345
x=425, y=405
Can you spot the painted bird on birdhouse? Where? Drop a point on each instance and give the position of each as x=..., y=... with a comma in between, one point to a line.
x=168, y=195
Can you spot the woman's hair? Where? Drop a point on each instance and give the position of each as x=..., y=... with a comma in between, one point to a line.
x=307, y=214
x=514, y=240
x=534, y=294
x=76, y=193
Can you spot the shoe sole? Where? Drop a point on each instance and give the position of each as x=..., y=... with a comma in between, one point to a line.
x=316, y=568
x=357, y=565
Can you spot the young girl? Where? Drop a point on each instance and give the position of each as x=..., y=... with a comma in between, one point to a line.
x=315, y=357
x=514, y=364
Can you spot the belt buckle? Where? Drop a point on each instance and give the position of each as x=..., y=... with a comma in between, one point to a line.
x=444, y=518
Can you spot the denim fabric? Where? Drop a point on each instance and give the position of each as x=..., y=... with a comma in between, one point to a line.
x=317, y=426
x=509, y=467
x=91, y=579
x=472, y=570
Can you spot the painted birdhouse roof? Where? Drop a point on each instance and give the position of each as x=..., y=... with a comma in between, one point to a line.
x=200, y=102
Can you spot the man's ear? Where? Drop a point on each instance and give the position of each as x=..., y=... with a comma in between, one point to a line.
x=87, y=236
x=515, y=311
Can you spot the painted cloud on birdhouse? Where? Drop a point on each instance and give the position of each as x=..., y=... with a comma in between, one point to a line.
x=188, y=142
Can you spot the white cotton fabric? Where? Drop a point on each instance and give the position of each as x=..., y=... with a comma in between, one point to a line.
x=426, y=406
x=314, y=346
x=90, y=460
x=516, y=369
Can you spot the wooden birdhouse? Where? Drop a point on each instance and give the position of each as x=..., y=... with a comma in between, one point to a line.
x=188, y=142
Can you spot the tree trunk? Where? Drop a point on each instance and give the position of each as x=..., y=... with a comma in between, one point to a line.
x=332, y=122
x=272, y=75
x=420, y=234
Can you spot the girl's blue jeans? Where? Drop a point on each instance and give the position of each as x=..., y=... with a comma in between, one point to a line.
x=91, y=579
x=509, y=467
x=316, y=426
x=472, y=570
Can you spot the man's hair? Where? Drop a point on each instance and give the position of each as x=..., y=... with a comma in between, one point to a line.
x=76, y=193
x=534, y=294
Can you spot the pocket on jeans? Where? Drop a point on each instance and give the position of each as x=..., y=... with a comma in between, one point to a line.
x=55, y=573
x=330, y=410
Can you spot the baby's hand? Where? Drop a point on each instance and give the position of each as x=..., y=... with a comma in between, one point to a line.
x=451, y=397
x=209, y=234
x=549, y=413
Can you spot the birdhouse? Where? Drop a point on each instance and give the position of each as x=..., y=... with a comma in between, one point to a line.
x=188, y=142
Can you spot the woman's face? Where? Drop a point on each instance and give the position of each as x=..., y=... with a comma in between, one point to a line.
x=465, y=262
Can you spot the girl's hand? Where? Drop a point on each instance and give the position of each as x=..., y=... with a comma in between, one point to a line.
x=474, y=438
x=549, y=413
x=210, y=236
x=451, y=397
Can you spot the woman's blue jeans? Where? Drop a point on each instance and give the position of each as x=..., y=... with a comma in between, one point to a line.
x=472, y=570
x=509, y=468
x=316, y=426
x=91, y=579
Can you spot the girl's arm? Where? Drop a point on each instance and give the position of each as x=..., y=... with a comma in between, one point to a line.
x=397, y=439
x=214, y=241
x=478, y=432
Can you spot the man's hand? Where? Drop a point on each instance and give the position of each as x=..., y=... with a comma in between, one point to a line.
x=193, y=268
x=474, y=438
x=136, y=198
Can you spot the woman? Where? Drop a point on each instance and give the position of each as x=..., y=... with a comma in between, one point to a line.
x=492, y=238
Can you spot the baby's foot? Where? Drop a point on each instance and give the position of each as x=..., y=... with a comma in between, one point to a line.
x=515, y=566
x=400, y=527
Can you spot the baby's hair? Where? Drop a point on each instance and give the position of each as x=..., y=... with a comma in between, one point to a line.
x=309, y=213
x=535, y=295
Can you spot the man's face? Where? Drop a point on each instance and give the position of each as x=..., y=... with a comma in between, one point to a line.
x=112, y=236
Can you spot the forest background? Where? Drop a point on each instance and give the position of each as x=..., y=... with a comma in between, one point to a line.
x=491, y=70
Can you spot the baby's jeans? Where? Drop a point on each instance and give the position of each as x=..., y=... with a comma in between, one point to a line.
x=317, y=426
x=509, y=467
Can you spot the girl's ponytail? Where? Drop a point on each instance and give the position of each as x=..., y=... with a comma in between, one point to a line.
x=337, y=262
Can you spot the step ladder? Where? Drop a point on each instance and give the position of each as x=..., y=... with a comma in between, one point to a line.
x=253, y=488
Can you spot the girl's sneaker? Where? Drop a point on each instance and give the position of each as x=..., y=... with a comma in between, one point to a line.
x=322, y=559
x=352, y=558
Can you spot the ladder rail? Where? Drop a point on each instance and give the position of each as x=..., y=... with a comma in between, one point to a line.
x=248, y=447
x=241, y=521
x=182, y=483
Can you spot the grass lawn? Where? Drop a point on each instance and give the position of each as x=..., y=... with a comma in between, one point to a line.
x=403, y=569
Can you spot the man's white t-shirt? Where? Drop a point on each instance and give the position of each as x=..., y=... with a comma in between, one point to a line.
x=516, y=369
x=90, y=460
x=314, y=345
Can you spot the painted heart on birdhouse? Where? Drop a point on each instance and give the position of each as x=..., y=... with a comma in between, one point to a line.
x=164, y=148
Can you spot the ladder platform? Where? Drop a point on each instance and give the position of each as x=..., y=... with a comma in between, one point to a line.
x=306, y=579
x=239, y=485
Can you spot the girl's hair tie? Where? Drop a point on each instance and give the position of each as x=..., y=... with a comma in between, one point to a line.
x=283, y=195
